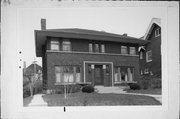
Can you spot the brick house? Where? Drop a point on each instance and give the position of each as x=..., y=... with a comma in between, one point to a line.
x=80, y=56
x=150, y=54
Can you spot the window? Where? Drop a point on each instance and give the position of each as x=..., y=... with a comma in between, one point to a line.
x=149, y=56
x=141, y=55
x=58, y=73
x=157, y=32
x=96, y=47
x=54, y=45
x=123, y=49
x=102, y=48
x=132, y=50
x=66, y=45
x=67, y=74
x=123, y=73
x=90, y=47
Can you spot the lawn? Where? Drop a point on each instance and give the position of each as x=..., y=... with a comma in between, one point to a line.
x=146, y=91
x=27, y=100
x=96, y=99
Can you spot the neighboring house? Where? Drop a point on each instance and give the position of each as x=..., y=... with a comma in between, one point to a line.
x=32, y=71
x=150, y=54
x=79, y=56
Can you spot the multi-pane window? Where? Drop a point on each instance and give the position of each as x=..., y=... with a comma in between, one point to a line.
x=157, y=32
x=124, y=50
x=96, y=48
x=66, y=45
x=90, y=47
x=54, y=45
x=132, y=50
x=67, y=74
x=149, y=56
x=58, y=73
x=123, y=73
x=102, y=48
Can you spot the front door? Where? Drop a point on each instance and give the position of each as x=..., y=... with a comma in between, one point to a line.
x=98, y=75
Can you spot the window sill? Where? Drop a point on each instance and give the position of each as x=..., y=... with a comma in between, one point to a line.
x=93, y=53
x=125, y=82
x=71, y=83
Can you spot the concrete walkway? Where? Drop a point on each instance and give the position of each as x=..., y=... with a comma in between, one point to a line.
x=37, y=101
x=120, y=90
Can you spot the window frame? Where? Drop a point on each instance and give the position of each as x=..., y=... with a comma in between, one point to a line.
x=124, y=47
x=90, y=47
x=68, y=69
x=130, y=49
x=157, y=32
x=56, y=42
x=66, y=43
x=96, y=48
x=147, y=56
x=103, y=48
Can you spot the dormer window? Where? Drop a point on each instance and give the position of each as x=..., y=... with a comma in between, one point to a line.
x=54, y=45
x=157, y=32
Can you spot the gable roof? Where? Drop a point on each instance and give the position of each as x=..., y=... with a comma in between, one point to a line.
x=30, y=69
x=75, y=33
x=154, y=21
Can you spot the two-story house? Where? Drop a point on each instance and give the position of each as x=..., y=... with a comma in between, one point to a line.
x=150, y=54
x=77, y=56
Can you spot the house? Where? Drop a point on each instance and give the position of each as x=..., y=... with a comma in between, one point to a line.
x=81, y=56
x=150, y=54
x=32, y=79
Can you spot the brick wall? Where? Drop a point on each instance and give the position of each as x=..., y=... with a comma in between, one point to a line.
x=59, y=58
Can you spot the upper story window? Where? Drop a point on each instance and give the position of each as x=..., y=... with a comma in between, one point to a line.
x=149, y=56
x=141, y=55
x=132, y=50
x=90, y=47
x=66, y=45
x=102, y=48
x=96, y=48
x=124, y=50
x=157, y=32
x=54, y=45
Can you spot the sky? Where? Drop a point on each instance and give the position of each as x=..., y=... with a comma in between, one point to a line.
x=131, y=20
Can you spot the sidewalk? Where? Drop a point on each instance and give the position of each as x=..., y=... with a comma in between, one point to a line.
x=120, y=90
x=37, y=101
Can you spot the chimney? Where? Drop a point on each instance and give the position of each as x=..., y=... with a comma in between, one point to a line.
x=43, y=24
x=125, y=34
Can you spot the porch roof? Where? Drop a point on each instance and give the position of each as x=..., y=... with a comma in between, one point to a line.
x=40, y=37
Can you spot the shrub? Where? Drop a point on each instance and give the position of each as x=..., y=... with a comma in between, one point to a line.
x=156, y=83
x=88, y=89
x=26, y=92
x=134, y=86
x=69, y=89
x=145, y=84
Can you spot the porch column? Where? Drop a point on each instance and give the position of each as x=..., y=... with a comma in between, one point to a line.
x=92, y=67
x=104, y=74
